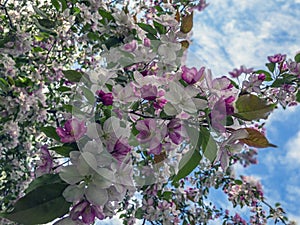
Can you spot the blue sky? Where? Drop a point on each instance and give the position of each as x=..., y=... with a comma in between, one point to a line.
x=231, y=33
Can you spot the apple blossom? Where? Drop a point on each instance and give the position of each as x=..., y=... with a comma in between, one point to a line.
x=73, y=130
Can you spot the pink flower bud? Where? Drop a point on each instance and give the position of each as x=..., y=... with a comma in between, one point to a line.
x=191, y=75
x=105, y=98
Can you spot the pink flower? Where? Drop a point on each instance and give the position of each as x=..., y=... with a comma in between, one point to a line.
x=46, y=163
x=147, y=42
x=87, y=212
x=151, y=135
x=237, y=72
x=120, y=149
x=131, y=46
x=277, y=58
x=149, y=92
x=72, y=131
x=175, y=131
x=191, y=75
x=105, y=98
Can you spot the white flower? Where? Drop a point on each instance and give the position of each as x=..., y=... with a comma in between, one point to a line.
x=168, y=51
x=181, y=99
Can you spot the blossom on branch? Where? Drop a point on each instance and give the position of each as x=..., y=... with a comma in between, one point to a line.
x=72, y=131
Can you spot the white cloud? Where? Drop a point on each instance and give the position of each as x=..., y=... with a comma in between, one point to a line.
x=230, y=33
x=293, y=152
x=293, y=193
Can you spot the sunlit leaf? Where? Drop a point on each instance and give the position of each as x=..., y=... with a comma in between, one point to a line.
x=256, y=139
x=250, y=107
x=187, y=23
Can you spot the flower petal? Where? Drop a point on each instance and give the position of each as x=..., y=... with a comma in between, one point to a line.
x=96, y=195
x=70, y=174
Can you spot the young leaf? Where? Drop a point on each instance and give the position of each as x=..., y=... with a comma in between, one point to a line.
x=50, y=132
x=187, y=23
x=41, y=205
x=209, y=146
x=256, y=139
x=72, y=75
x=250, y=107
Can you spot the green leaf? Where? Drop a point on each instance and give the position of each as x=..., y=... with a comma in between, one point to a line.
x=209, y=146
x=159, y=27
x=112, y=42
x=72, y=75
x=50, y=132
x=64, y=89
x=238, y=182
x=89, y=95
x=298, y=96
x=194, y=136
x=93, y=36
x=65, y=149
x=40, y=206
x=297, y=58
x=271, y=66
x=148, y=28
x=43, y=180
x=284, y=79
x=106, y=14
x=229, y=121
x=48, y=24
x=188, y=163
x=167, y=195
x=56, y=4
x=250, y=107
x=39, y=12
x=64, y=5
x=139, y=213
x=266, y=73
